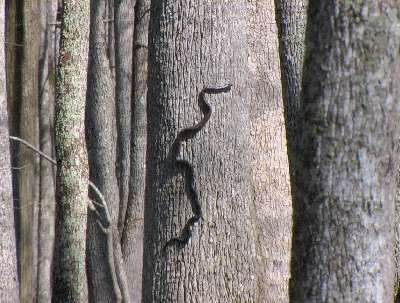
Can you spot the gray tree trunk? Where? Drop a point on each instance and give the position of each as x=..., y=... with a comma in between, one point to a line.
x=29, y=174
x=124, y=16
x=344, y=186
x=100, y=137
x=9, y=288
x=192, y=46
x=272, y=207
x=110, y=21
x=47, y=177
x=132, y=236
x=397, y=242
x=11, y=47
x=291, y=16
x=69, y=273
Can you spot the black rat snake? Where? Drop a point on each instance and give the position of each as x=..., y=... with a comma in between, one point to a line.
x=187, y=168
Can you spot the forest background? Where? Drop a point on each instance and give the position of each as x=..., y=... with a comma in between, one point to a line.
x=199, y=151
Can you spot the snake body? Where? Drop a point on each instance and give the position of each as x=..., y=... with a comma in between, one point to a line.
x=187, y=169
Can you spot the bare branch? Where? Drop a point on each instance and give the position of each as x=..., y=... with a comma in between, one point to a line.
x=58, y=23
x=14, y=44
x=34, y=149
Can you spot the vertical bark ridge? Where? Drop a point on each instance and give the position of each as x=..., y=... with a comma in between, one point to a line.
x=272, y=209
x=124, y=18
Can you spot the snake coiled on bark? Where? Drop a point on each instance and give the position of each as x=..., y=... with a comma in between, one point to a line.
x=187, y=169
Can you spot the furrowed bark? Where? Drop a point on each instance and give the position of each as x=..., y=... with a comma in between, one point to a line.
x=109, y=20
x=132, y=236
x=194, y=45
x=272, y=207
x=291, y=17
x=344, y=185
x=11, y=47
x=124, y=18
x=69, y=272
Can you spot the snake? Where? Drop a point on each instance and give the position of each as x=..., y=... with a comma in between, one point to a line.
x=187, y=169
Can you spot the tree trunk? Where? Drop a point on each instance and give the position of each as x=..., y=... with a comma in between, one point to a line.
x=191, y=47
x=29, y=174
x=344, y=186
x=110, y=21
x=272, y=207
x=132, y=236
x=70, y=284
x=397, y=243
x=124, y=16
x=9, y=292
x=46, y=126
x=100, y=137
x=291, y=16
x=11, y=47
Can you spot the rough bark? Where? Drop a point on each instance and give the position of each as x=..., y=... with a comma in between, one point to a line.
x=9, y=288
x=11, y=49
x=29, y=174
x=124, y=16
x=47, y=177
x=397, y=242
x=69, y=273
x=100, y=138
x=110, y=21
x=194, y=45
x=344, y=186
x=272, y=207
x=132, y=236
x=291, y=17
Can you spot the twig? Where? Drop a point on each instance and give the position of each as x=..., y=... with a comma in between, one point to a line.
x=34, y=149
x=57, y=23
x=15, y=168
x=14, y=44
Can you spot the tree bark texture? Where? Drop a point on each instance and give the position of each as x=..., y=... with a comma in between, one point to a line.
x=47, y=176
x=344, y=186
x=272, y=207
x=69, y=275
x=397, y=242
x=291, y=17
x=29, y=174
x=9, y=287
x=109, y=19
x=100, y=137
x=194, y=45
x=12, y=47
x=124, y=18
x=132, y=236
